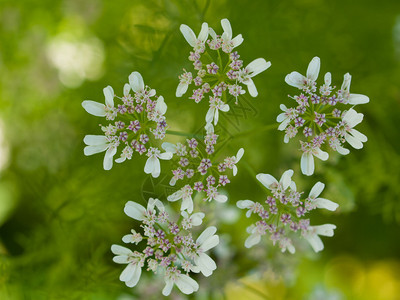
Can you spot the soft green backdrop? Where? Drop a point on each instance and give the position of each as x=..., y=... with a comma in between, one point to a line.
x=60, y=211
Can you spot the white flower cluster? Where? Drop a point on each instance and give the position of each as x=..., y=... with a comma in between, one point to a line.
x=321, y=116
x=134, y=119
x=170, y=249
x=217, y=76
x=282, y=215
x=168, y=246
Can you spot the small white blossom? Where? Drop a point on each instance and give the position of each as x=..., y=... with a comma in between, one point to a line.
x=307, y=158
x=99, y=143
x=252, y=69
x=352, y=136
x=184, y=283
x=207, y=240
x=216, y=105
x=138, y=212
x=131, y=274
x=302, y=82
x=186, y=195
x=229, y=43
x=313, y=232
x=99, y=109
x=353, y=99
x=321, y=202
x=196, y=42
x=237, y=158
x=152, y=165
x=272, y=184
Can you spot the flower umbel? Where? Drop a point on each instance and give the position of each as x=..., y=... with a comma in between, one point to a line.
x=137, y=122
x=170, y=249
x=282, y=214
x=321, y=116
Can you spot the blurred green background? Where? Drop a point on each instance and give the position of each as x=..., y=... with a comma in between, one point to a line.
x=60, y=211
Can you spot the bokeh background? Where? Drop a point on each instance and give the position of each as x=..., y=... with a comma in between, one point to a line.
x=60, y=211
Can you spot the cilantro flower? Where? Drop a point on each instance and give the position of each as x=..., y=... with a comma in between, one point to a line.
x=321, y=117
x=99, y=143
x=283, y=213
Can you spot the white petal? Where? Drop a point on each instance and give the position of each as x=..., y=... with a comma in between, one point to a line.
x=207, y=264
x=212, y=33
x=286, y=179
x=94, y=108
x=313, y=68
x=136, y=82
x=181, y=89
x=156, y=168
x=316, y=190
x=327, y=204
x=358, y=135
x=235, y=170
x=135, y=277
x=221, y=198
x=307, y=164
x=284, y=124
x=186, y=284
x=353, y=141
x=257, y=66
x=168, y=287
x=169, y=147
x=237, y=40
x=322, y=155
x=352, y=117
x=108, y=158
x=121, y=259
x=150, y=165
x=216, y=117
x=90, y=150
x=197, y=218
x=188, y=34
x=175, y=196
x=134, y=210
x=127, y=89
x=187, y=204
x=109, y=95
x=239, y=155
x=120, y=250
x=95, y=140
x=226, y=25
x=210, y=115
x=210, y=242
x=161, y=107
x=203, y=35
x=208, y=232
x=165, y=156
x=251, y=87
x=127, y=238
x=295, y=79
x=355, y=99
x=325, y=230
x=346, y=82
x=315, y=242
x=342, y=150
x=244, y=204
x=128, y=272
x=224, y=108
x=281, y=117
x=328, y=78
x=252, y=240
x=267, y=180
